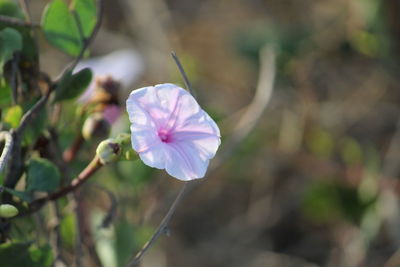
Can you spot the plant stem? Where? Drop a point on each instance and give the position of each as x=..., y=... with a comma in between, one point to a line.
x=17, y=22
x=183, y=73
x=88, y=41
x=93, y=166
x=161, y=228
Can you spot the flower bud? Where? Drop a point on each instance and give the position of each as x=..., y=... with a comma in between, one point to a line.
x=108, y=151
x=124, y=140
x=95, y=126
x=8, y=211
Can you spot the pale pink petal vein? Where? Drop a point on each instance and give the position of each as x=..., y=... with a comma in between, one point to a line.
x=170, y=131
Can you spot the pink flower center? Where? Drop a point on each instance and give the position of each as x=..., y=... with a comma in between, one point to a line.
x=164, y=136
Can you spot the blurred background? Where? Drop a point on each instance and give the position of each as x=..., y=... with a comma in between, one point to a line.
x=314, y=182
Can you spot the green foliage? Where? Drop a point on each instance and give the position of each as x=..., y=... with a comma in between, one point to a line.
x=321, y=203
x=63, y=29
x=42, y=257
x=10, y=42
x=11, y=9
x=129, y=238
x=42, y=176
x=15, y=254
x=125, y=243
x=320, y=142
x=329, y=201
x=60, y=28
x=86, y=11
x=23, y=254
x=13, y=116
x=72, y=85
x=351, y=151
x=68, y=230
x=5, y=93
x=37, y=126
x=23, y=195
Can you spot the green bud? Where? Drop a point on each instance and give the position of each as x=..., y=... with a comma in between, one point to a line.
x=95, y=126
x=124, y=140
x=8, y=211
x=108, y=151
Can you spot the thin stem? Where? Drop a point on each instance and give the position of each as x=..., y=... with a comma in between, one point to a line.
x=112, y=210
x=70, y=153
x=55, y=235
x=17, y=22
x=79, y=225
x=93, y=166
x=79, y=24
x=183, y=73
x=8, y=144
x=27, y=10
x=167, y=218
x=31, y=114
x=88, y=41
x=161, y=228
x=16, y=166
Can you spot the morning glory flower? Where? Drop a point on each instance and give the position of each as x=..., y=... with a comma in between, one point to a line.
x=170, y=131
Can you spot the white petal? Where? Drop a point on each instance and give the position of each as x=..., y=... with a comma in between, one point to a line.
x=183, y=162
x=154, y=156
x=143, y=128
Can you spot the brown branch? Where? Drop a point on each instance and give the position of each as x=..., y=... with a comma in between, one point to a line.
x=92, y=167
x=162, y=228
x=17, y=22
x=70, y=153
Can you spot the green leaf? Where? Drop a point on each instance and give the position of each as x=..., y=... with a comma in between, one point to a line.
x=42, y=176
x=10, y=9
x=125, y=242
x=13, y=116
x=23, y=254
x=321, y=202
x=15, y=254
x=25, y=196
x=60, y=28
x=42, y=256
x=5, y=93
x=37, y=126
x=68, y=230
x=72, y=85
x=10, y=42
x=87, y=14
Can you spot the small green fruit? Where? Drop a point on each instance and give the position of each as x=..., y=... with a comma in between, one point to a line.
x=8, y=211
